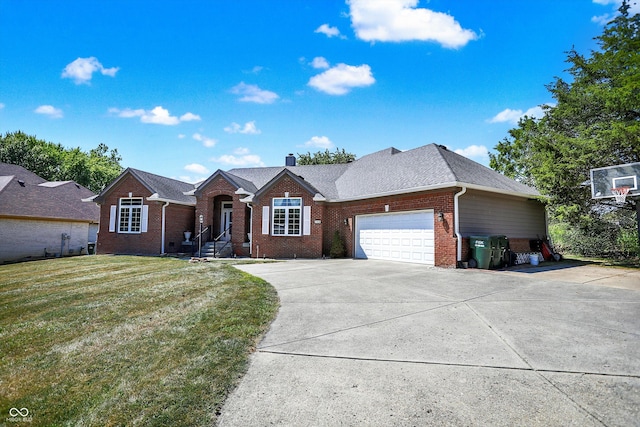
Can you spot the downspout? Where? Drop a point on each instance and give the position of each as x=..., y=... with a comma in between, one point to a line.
x=250, y=229
x=456, y=220
x=164, y=218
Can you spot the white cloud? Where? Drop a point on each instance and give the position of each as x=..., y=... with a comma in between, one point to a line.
x=189, y=117
x=401, y=20
x=340, y=79
x=249, y=128
x=513, y=116
x=252, y=93
x=634, y=7
x=197, y=168
x=328, y=31
x=49, y=110
x=319, y=141
x=206, y=141
x=181, y=136
x=479, y=153
x=1, y=105
x=241, y=151
x=157, y=116
x=320, y=62
x=241, y=157
x=81, y=70
x=507, y=115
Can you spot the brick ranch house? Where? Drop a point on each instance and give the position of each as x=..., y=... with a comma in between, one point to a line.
x=419, y=205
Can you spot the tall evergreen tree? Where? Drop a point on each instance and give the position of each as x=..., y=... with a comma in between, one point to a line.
x=595, y=122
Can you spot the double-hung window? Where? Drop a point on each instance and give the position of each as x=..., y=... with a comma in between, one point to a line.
x=130, y=218
x=287, y=215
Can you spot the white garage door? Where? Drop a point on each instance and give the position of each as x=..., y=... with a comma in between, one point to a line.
x=406, y=237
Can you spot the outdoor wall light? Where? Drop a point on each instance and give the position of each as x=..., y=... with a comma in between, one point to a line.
x=440, y=217
x=346, y=222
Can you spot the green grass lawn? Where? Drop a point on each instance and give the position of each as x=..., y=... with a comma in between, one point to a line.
x=120, y=340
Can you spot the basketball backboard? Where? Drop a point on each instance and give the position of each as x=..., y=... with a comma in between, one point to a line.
x=604, y=179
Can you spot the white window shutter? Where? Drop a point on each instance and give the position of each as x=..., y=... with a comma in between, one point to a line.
x=144, y=218
x=265, y=220
x=306, y=221
x=113, y=213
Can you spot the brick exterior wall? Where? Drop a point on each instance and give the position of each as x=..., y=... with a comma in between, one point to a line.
x=328, y=217
x=178, y=219
x=287, y=246
x=444, y=241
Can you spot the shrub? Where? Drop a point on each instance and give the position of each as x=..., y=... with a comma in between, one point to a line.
x=613, y=235
x=337, y=246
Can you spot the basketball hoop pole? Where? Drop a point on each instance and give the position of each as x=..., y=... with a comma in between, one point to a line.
x=637, y=200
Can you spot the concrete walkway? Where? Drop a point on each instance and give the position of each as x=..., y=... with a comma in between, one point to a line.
x=386, y=344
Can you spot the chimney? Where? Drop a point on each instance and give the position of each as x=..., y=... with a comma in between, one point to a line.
x=290, y=160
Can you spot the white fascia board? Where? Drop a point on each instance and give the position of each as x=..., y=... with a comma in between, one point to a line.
x=319, y=198
x=189, y=193
x=243, y=191
x=155, y=198
x=248, y=199
x=89, y=199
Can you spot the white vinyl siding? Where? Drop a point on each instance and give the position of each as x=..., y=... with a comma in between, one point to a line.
x=405, y=237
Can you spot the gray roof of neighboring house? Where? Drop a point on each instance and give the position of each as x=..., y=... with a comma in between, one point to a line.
x=25, y=194
x=162, y=188
x=392, y=171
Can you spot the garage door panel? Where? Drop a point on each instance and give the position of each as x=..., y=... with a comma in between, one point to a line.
x=405, y=237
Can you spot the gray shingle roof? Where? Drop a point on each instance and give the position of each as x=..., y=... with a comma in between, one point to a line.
x=166, y=188
x=385, y=172
x=162, y=188
x=392, y=171
x=25, y=194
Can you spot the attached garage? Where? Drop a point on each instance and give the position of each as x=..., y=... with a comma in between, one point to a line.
x=405, y=237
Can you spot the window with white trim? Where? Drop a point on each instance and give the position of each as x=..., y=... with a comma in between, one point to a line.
x=130, y=215
x=286, y=217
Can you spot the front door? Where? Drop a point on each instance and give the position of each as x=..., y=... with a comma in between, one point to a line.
x=226, y=219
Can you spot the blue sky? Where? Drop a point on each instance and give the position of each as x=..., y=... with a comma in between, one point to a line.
x=183, y=88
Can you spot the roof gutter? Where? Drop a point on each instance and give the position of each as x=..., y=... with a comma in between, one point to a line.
x=442, y=186
x=456, y=220
x=155, y=198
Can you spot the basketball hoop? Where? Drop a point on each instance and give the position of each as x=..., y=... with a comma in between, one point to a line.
x=620, y=194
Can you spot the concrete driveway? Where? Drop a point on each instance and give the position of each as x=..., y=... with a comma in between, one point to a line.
x=387, y=344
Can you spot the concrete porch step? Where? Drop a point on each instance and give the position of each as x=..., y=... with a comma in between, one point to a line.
x=220, y=251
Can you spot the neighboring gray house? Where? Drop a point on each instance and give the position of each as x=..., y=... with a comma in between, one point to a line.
x=39, y=218
x=419, y=206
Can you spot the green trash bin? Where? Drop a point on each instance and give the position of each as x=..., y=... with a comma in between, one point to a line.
x=499, y=256
x=481, y=250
